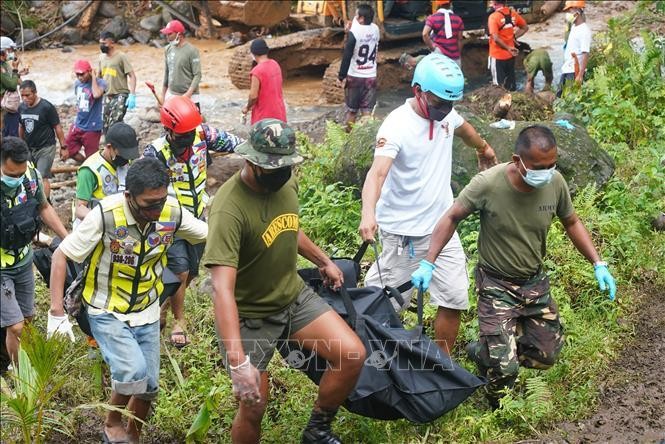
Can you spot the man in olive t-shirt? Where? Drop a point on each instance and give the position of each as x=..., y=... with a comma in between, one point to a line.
x=182, y=65
x=259, y=299
x=117, y=72
x=517, y=202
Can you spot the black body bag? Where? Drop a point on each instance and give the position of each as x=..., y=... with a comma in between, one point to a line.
x=405, y=374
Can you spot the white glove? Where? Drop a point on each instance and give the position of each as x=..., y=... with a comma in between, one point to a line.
x=246, y=381
x=60, y=325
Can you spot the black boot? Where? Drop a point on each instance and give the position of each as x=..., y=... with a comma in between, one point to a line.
x=318, y=428
x=473, y=353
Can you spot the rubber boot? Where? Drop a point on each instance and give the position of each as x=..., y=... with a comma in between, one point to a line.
x=318, y=429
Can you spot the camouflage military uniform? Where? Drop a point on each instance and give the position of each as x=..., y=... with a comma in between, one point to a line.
x=519, y=325
x=115, y=108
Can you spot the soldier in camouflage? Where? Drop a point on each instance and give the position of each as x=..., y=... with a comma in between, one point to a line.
x=517, y=201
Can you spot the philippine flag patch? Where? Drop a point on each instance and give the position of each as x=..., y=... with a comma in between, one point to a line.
x=165, y=226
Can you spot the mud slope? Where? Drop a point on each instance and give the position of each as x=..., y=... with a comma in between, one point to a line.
x=632, y=404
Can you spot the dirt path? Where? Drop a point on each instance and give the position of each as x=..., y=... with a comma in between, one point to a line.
x=632, y=402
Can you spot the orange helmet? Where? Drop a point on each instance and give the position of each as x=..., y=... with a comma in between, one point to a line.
x=180, y=114
x=574, y=4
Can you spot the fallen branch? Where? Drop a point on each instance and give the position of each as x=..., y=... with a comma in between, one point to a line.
x=63, y=184
x=64, y=169
x=88, y=17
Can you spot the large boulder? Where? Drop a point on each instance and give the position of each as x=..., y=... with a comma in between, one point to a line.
x=108, y=10
x=152, y=23
x=141, y=35
x=118, y=26
x=581, y=160
x=28, y=36
x=68, y=9
x=71, y=36
x=7, y=24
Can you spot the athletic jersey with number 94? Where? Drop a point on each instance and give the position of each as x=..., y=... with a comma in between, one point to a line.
x=363, y=63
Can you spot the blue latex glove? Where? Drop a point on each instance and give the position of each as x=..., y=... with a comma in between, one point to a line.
x=565, y=124
x=131, y=101
x=605, y=280
x=423, y=275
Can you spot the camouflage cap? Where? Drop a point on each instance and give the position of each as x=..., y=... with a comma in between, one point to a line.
x=271, y=144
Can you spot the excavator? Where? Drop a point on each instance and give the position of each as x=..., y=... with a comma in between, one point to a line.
x=401, y=22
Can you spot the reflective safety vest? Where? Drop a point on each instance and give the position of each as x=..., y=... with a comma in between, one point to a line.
x=20, y=220
x=106, y=174
x=125, y=270
x=188, y=179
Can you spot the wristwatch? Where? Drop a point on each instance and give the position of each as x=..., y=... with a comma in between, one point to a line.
x=599, y=264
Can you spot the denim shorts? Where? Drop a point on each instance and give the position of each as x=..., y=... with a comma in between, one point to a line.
x=17, y=297
x=183, y=256
x=132, y=353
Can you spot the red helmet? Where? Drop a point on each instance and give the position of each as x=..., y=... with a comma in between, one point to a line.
x=180, y=114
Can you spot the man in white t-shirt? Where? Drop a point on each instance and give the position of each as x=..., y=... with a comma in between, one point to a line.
x=357, y=73
x=577, y=47
x=408, y=187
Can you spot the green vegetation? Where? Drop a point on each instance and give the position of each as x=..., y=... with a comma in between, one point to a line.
x=623, y=105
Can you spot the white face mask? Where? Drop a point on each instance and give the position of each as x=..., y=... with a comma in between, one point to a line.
x=11, y=56
x=538, y=178
x=175, y=41
x=570, y=17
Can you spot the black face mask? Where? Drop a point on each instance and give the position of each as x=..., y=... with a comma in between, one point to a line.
x=179, y=143
x=440, y=112
x=120, y=161
x=273, y=181
x=103, y=48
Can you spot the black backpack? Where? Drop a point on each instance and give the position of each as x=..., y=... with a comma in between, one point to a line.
x=405, y=375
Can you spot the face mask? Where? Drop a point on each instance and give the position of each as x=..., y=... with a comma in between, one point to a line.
x=120, y=161
x=273, y=181
x=181, y=142
x=570, y=17
x=537, y=178
x=148, y=213
x=11, y=56
x=103, y=48
x=12, y=182
x=437, y=113
x=175, y=41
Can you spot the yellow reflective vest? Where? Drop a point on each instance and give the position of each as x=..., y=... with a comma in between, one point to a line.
x=125, y=268
x=188, y=179
x=106, y=174
x=11, y=257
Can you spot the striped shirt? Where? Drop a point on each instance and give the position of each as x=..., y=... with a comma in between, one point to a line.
x=449, y=46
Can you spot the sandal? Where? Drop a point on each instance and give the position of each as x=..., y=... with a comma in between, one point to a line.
x=178, y=344
x=107, y=440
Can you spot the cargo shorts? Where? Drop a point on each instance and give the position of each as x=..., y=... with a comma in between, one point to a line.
x=261, y=336
x=400, y=256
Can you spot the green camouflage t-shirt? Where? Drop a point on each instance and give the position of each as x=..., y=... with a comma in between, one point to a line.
x=514, y=224
x=258, y=235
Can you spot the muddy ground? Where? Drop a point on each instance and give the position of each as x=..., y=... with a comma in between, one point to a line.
x=632, y=402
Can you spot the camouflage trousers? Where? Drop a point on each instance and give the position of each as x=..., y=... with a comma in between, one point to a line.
x=114, y=109
x=519, y=325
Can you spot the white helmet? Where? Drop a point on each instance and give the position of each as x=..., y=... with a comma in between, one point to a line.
x=6, y=43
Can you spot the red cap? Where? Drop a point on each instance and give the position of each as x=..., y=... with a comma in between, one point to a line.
x=180, y=114
x=173, y=26
x=82, y=66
